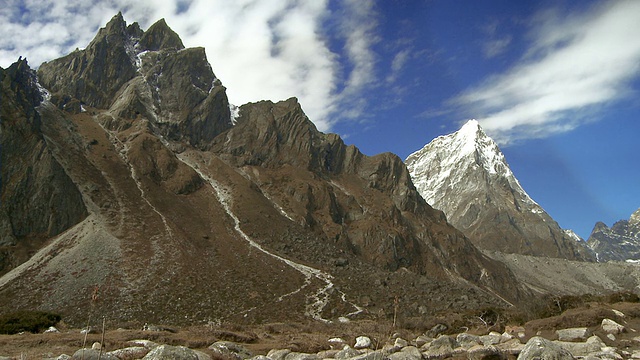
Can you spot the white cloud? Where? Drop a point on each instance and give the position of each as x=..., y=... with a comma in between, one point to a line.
x=260, y=49
x=576, y=64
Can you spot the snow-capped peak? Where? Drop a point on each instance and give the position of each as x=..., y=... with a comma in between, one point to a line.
x=445, y=162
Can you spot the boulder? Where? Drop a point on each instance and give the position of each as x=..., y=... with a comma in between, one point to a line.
x=230, y=350
x=611, y=327
x=539, y=348
x=467, y=341
x=593, y=344
x=481, y=352
x=573, y=334
x=437, y=330
x=407, y=353
x=91, y=354
x=373, y=355
x=130, y=353
x=493, y=338
x=278, y=354
x=346, y=353
x=443, y=346
x=168, y=352
x=301, y=356
x=422, y=340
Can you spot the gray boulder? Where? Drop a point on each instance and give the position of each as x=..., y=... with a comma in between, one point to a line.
x=278, y=354
x=301, y=356
x=611, y=327
x=592, y=345
x=92, y=354
x=230, y=350
x=443, y=346
x=573, y=334
x=372, y=355
x=130, y=353
x=407, y=353
x=467, y=341
x=346, y=353
x=168, y=352
x=481, y=352
x=538, y=348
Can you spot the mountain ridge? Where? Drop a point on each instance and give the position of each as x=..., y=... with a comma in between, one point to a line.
x=190, y=218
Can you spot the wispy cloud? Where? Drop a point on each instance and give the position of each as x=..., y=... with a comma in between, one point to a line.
x=576, y=64
x=261, y=50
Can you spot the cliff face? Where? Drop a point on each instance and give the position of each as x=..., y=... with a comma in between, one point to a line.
x=466, y=175
x=190, y=218
x=619, y=242
x=39, y=200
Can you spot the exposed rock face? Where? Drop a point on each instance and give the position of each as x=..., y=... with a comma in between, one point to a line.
x=367, y=203
x=151, y=74
x=620, y=242
x=39, y=200
x=466, y=175
x=194, y=218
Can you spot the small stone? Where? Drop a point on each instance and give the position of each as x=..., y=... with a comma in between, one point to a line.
x=51, y=329
x=96, y=346
x=336, y=343
x=493, y=338
x=362, y=342
x=400, y=343
x=611, y=337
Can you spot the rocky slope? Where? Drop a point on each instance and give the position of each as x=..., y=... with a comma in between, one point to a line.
x=39, y=200
x=183, y=217
x=619, y=242
x=466, y=175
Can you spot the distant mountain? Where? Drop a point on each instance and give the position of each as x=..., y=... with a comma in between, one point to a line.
x=619, y=242
x=466, y=175
x=129, y=190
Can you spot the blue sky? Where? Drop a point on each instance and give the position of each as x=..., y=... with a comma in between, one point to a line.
x=554, y=82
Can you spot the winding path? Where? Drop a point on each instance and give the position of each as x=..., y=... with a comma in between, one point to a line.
x=316, y=302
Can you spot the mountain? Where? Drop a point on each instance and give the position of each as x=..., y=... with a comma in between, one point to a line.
x=173, y=211
x=466, y=175
x=619, y=242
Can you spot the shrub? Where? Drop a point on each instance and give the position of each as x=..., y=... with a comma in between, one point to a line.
x=31, y=321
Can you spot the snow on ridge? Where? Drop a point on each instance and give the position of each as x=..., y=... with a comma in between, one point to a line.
x=468, y=147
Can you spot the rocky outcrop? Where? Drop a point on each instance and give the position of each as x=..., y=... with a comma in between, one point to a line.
x=620, y=242
x=135, y=73
x=39, y=200
x=466, y=175
x=94, y=75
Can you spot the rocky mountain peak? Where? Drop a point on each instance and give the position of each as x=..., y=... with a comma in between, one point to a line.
x=160, y=36
x=634, y=219
x=466, y=175
x=618, y=242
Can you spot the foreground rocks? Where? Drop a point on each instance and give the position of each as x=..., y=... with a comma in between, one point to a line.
x=570, y=343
